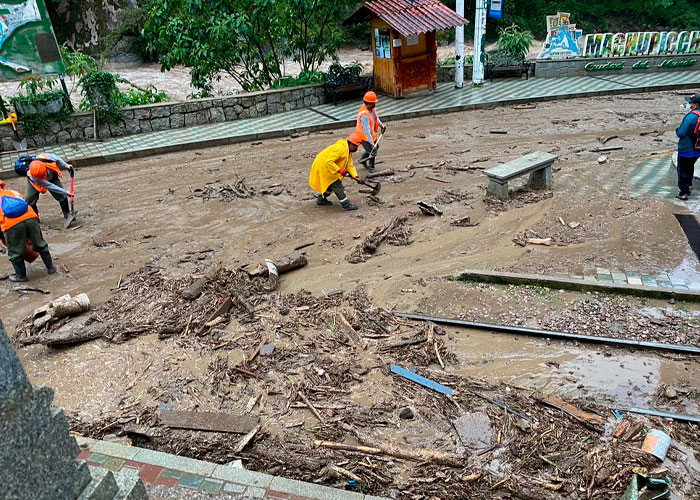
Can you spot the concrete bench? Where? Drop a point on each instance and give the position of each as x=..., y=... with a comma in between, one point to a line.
x=537, y=164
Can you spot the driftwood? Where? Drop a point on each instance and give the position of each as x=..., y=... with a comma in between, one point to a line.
x=207, y=421
x=284, y=265
x=417, y=454
x=74, y=332
x=195, y=289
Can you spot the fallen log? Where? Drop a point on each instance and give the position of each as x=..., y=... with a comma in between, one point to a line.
x=417, y=454
x=284, y=265
x=74, y=332
x=207, y=421
x=195, y=289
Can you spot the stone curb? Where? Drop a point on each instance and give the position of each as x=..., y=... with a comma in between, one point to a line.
x=578, y=285
x=251, y=479
x=121, y=156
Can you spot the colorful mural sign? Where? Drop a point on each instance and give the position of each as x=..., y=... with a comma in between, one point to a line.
x=27, y=41
x=562, y=38
x=565, y=41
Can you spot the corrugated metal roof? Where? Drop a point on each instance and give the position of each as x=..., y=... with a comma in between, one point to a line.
x=411, y=17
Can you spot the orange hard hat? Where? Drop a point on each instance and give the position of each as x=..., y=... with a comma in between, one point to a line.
x=355, y=138
x=370, y=97
x=37, y=169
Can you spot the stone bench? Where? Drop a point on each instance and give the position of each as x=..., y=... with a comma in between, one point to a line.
x=537, y=164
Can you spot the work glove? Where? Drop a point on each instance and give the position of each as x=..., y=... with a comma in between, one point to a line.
x=342, y=172
x=383, y=128
x=360, y=181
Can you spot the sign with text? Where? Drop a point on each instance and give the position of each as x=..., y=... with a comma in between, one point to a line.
x=27, y=42
x=565, y=41
x=562, y=38
x=496, y=9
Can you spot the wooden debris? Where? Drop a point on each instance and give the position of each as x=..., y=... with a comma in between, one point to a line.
x=540, y=241
x=502, y=132
x=437, y=180
x=576, y=413
x=303, y=246
x=246, y=439
x=207, y=421
x=245, y=372
x=195, y=289
x=284, y=265
x=417, y=454
x=257, y=349
x=311, y=407
x=405, y=343
x=380, y=174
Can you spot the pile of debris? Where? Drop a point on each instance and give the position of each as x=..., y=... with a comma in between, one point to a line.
x=224, y=192
x=397, y=233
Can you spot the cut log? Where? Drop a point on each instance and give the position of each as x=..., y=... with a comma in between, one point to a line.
x=284, y=265
x=74, y=332
x=195, y=289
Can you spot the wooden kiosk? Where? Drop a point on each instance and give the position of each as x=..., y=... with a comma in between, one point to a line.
x=403, y=42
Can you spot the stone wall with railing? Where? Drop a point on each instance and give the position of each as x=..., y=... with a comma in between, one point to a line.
x=172, y=115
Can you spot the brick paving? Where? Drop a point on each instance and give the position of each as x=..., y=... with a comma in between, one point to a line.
x=171, y=477
x=446, y=99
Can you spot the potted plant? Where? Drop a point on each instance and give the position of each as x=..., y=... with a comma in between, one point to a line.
x=39, y=104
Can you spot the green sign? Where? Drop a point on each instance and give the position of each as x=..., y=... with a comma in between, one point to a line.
x=27, y=43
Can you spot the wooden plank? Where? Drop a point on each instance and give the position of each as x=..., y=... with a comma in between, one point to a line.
x=207, y=421
x=520, y=166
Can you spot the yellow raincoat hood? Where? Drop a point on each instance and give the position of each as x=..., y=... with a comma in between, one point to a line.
x=324, y=171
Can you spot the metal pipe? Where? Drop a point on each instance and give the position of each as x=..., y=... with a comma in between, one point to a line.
x=664, y=414
x=555, y=335
x=479, y=43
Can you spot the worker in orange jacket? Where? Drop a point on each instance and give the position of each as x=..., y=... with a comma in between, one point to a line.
x=19, y=222
x=368, y=123
x=44, y=174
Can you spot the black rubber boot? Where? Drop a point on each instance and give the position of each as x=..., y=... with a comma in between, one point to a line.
x=64, y=208
x=48, y=262
x=323, y=201
x=348, y=206
x=20, y=271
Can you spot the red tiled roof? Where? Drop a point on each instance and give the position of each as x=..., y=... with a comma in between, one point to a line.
x=411, y=17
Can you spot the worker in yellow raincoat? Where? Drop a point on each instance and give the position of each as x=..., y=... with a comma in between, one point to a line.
x=330, y=167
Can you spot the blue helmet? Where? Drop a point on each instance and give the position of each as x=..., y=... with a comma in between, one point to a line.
x=22, y=165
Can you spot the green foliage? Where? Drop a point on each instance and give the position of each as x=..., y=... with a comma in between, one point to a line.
x=100, y=93
x=304, y=78
x=246, y=39
x=33, y=86
x=126, y=34
x=38, y=110
x=450, y=61
x=78, y=63
x=139, y=96
x=514, y=41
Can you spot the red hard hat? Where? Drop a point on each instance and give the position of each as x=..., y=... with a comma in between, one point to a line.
x=37, y=169
x=355, y=138
x=370, y=97
x=2, y=185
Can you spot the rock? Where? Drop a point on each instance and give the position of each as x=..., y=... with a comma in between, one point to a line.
x=670, y=392
x=474, y=430
x=406, y=414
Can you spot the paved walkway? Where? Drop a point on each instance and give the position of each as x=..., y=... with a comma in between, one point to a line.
x=185, y=476
x=446, y=99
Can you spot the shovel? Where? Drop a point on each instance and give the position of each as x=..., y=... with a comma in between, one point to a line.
x=373, y=153
x=375, y=185
x=19, y=144
x=71, y=217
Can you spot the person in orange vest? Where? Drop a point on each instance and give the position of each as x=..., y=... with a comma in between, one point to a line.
x=330, y=168
x=368, y=123
x=44, y=174
x=19, y=222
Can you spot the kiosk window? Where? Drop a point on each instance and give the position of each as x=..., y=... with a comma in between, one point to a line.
x=382, y=43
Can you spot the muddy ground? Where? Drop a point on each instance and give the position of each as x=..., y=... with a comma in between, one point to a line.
x=148, y=217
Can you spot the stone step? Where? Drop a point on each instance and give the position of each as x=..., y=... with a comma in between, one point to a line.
x=103, y=486
x=130, y=485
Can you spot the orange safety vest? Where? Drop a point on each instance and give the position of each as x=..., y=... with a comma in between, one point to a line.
x=47, y=163
x=6, y=222
x=373, y=122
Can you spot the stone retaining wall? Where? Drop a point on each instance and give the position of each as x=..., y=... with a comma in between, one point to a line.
x=548, y=68
x=165, y=116
x=447, y=73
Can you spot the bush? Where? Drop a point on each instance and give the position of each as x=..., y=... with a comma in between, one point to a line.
x=304, y=78
x=514, y=41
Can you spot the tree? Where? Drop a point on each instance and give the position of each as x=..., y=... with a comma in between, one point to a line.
x=246, y=39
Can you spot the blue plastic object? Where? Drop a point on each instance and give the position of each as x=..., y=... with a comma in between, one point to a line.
x=425, y=382
x=13, y=207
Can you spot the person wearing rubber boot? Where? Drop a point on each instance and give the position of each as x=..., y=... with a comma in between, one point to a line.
x=368, y=123
x=44, y=174
x=19, y=222
x=330, y=168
